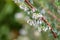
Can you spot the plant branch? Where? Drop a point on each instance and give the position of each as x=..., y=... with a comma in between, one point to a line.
x=27, y=1
x=54, y=34
x=49, y=25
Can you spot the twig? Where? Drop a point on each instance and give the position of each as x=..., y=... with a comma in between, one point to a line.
x=27, y=1
x=54, y=34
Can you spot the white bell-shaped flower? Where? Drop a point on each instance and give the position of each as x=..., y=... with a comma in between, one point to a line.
x=34, y=16
x=22, y=6
x=43, y=11
x=34, y=9
x=45, y=29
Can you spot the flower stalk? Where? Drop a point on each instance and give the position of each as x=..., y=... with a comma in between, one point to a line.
x=43, y=19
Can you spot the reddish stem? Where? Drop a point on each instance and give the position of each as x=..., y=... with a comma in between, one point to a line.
x=54, y=34
x=27, y=1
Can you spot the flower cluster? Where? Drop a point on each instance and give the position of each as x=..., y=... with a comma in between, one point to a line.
x=32, y=18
